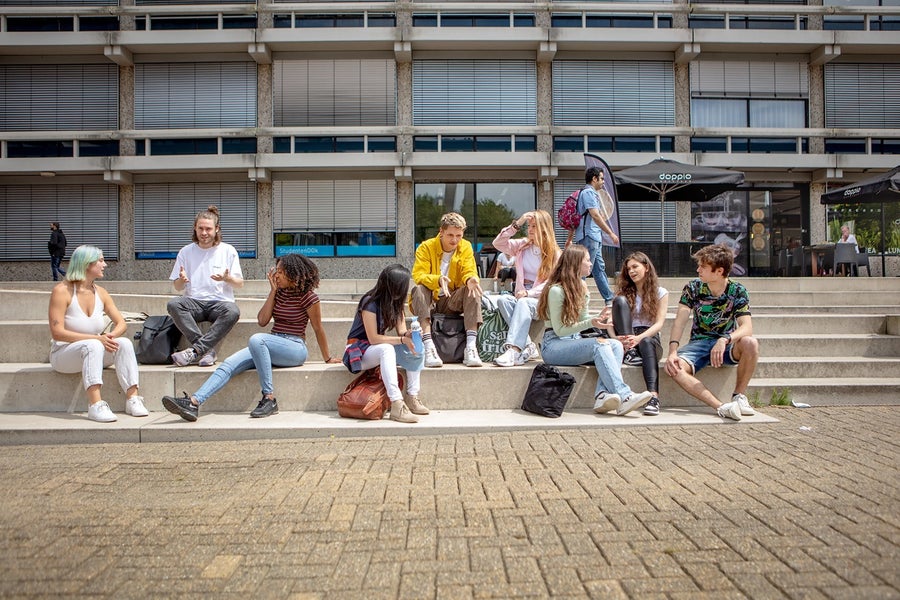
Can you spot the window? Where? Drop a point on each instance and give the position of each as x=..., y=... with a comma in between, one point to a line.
x=474, y=92
x=862, y=95
x=616, y=93
x=342, y=92
x=164, y=214
x=487, y=207
x=88, y=214
x=335, y=217
x=194, y=95
x=706, y=112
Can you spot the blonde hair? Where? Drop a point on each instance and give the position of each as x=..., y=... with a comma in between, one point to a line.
x=453, y=219
x=545, y=239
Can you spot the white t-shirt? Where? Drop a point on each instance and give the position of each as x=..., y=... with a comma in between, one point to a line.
x=200, y=265
x=637, y=320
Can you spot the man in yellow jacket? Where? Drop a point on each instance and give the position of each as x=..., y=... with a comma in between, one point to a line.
x=446, y=279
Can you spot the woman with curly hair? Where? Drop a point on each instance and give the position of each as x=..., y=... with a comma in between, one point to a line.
x=535, y=256
x=292, y=302
x=639, y=313
x=564, y=306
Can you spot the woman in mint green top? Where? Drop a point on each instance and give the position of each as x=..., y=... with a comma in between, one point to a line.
x=564, y=307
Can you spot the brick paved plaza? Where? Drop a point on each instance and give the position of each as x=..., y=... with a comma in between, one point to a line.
x=803, y=508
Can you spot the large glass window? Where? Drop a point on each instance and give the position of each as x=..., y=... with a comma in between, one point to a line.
x=723, y=112
x=487, y=207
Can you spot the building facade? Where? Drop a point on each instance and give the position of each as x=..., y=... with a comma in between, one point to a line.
x=344, y=129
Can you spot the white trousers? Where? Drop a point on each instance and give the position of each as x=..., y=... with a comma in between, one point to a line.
x=385, y=356
x=89, y=357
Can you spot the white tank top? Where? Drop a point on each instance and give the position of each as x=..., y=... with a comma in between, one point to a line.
x=79, y=322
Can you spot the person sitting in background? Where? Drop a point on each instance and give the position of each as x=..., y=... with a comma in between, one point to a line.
x=721, y=332
x=292, y=302
x=77, y=306
x=379, y=311
x=507, y=268
x=847, y=238
x=564, y=307
x=536, y=256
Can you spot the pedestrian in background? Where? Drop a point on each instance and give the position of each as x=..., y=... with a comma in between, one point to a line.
x=57, y=248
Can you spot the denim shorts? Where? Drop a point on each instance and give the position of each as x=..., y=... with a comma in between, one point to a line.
x=696, y=353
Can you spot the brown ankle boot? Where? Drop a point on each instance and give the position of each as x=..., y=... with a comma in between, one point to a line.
x=416, y=407
x=401, y=414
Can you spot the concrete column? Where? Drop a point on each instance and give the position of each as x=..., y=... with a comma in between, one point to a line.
x=817, y=224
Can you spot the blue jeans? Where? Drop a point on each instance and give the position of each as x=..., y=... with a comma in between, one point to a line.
x=264, y=351
x=598, y=270
x=605, y=354
x=518, y=314
x=55, y=269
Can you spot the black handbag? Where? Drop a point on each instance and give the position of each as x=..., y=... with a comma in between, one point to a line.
x=156, y=341
x=448, y=332
x=548, y=391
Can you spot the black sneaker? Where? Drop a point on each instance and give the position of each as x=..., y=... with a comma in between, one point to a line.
x=652, y=407
x=183, y=407
x=632, y=358
x=266, y=407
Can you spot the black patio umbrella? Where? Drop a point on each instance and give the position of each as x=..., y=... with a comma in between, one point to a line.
x=663, y=179
x=881, y=188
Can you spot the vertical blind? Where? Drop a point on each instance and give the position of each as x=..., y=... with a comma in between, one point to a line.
x=749, y=79
x=87, y=214
x=194, y=95
x=335, y=92
x=335, y=205
x=638, y=221
x=862, y=95
x=164, y=215
x=613, y=92
x=474, y=92
x=59, y=97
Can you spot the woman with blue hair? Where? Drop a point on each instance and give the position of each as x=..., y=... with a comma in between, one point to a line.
x=80, y=344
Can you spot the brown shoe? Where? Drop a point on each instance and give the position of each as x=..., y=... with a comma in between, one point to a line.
x=401, y=414
x=415, y=406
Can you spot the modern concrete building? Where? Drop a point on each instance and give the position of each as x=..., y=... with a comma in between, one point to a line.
x=343, y=129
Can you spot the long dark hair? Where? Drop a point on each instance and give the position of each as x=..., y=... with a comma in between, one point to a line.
x=300, y=271
x=649, y=286
x=390, y=293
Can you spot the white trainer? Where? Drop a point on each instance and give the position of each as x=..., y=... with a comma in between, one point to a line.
x=730, y=410
x=100, y=412
x=471, y=358
x=744, y=404
x=432, y=360
x=605, y=402
x=508, y=358
x=632, y=402
x=530, y=352
x=134, y=406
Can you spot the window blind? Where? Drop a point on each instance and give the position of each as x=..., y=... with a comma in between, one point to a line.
x=749, y=79
x=613, y=92
x=59, y=97
x=164, y=215
x=862, y=95
x=474, y=92
x=335, y=205
x=87, y=214
x=194, y=95
x=335, y=92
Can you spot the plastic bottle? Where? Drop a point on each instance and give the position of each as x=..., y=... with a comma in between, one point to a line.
x=416, y=334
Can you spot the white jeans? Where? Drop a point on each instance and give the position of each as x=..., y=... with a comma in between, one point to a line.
x=90, y=357
x=385, y=356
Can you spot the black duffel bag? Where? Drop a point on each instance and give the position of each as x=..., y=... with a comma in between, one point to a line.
x=156, y=341
x=548, y=391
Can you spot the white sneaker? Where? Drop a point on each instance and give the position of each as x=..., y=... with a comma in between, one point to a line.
x=744, y=404
x=530, y=352
x=508, y=358
x=99, y=411
x=605, y=402
x=134, y=406
x=632, y=402
x=431, y=357
x=471, y=358
x=730, y=410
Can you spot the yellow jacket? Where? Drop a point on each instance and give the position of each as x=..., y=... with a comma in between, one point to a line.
x=427, y=268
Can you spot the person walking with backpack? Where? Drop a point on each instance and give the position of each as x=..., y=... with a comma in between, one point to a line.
x=590, y=231
x=57, y=248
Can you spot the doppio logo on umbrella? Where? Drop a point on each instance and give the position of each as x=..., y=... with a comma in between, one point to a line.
x=674, y=177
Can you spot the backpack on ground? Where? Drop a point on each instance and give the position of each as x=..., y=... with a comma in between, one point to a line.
x=156, y=341
x=568, y=216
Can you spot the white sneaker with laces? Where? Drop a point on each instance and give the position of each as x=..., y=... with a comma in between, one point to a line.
x=744, y=404
x=530, y=352
x=730, y=410
x=471, y=358
x=632, y=402
x=432, y=360
x=134, y=406
x=508, y=358
x=100, y=412
x=605, y=402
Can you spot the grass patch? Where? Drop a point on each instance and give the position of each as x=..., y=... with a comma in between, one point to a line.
x=781, y=397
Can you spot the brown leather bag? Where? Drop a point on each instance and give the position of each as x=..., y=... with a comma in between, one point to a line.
x=365, y=397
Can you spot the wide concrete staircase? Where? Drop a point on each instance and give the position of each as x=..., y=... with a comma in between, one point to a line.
x=823, y=342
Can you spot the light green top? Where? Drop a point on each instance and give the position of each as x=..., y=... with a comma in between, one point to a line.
x=555, y=299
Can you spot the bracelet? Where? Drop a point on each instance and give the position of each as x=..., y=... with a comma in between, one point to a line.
x=676, y=342
x=514, y=225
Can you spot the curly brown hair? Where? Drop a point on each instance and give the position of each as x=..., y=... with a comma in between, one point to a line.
x=300, y=271
x=648, y=290
x=567, y=275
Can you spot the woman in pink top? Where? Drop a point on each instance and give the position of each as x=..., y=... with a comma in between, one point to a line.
x=536, y=256
x=293, y=303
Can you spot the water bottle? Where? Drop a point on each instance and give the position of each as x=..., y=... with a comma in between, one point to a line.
x=416, y=334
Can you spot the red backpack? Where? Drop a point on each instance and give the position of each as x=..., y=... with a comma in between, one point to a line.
x=568, y=216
